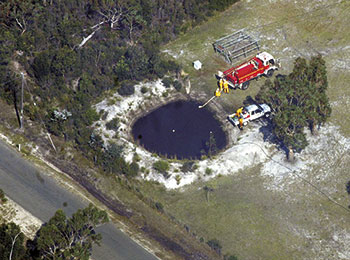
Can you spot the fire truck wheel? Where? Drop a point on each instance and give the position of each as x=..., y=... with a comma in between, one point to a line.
x=245, y=85
x=269, y=73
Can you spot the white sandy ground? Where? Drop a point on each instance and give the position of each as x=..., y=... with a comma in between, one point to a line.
x=250, y=148
x=12, y=212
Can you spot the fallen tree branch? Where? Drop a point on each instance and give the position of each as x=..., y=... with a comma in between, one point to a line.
x=85, y=40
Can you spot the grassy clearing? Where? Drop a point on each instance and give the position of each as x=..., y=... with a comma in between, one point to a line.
x=285, y=29
x=339, y=96
x=249, y=220
x=240, y=214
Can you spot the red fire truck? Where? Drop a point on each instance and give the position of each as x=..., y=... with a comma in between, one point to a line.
x=263, y=64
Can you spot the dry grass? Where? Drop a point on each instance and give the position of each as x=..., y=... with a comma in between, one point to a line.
x=249, y=220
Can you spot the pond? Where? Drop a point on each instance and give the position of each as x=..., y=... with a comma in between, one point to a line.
x=180, y=129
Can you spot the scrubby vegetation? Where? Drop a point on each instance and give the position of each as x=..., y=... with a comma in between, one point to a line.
x=161, y=166
x=113, y=124
x=71, y=52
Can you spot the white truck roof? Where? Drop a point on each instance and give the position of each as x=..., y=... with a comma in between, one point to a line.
x=254, y=107
x=264, y=56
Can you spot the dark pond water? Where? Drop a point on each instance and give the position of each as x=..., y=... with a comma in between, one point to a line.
x=180, y=129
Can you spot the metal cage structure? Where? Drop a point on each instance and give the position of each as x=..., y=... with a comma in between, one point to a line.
x=235, y=45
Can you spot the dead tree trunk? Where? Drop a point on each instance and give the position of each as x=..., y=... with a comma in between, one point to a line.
x=87, y=38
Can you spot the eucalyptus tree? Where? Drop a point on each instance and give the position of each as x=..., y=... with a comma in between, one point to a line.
x=11, y=242
x=298, y=100
x=70, y=238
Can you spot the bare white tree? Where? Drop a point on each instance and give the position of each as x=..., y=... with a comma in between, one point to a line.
x=87, y=38
x=13, y=244
x=111, y=16
x=22, y=25
x=132, y=20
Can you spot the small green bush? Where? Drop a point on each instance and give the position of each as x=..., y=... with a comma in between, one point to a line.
x=136, y=157
x=159, y=207
x=104, y=114
x=208, y=171
x=187, y=166
x=133, y=169
x=215, y=245
x=178, y=179
x=3, y=199
x=113, y=124
x=127, y=88
x=167, y=82
x=177, y=85
x=161, y=166
x=144, y=90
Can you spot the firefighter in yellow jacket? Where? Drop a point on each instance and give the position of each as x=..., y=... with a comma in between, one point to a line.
x=221, y=84
x=239, y=111
x=240, y=117
x=226, y=89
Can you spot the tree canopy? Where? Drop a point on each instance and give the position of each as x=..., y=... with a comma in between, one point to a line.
x=11, y=242
x=298, y=100
x=73, y=51
x=70, y=238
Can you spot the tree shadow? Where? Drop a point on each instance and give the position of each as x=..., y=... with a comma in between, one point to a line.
x=266, y=128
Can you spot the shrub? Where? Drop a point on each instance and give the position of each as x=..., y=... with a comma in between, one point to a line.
x=136, y=158
x=177, y=85
x=167, y=82
x=159, y=207
x=348, y=187
x=161, y=166
x=133, y=169
x=127, y=88
x=144, y=90
x=230, y=257
x=215, y=245
x=90, y=116
x=208, y=171
x=113, y=124
x=187, y=166
x=3, y=199
x=104, y=114
x=178, y=179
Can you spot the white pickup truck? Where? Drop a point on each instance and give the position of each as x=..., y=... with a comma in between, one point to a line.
x=250, y=113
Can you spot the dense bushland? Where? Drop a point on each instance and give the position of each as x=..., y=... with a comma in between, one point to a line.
x=73, y=51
